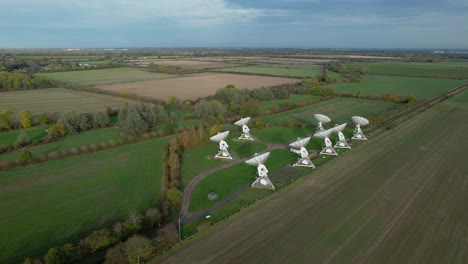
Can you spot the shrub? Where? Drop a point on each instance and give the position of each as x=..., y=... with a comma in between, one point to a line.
x=84, y=149
x=23, y=139
x=4, y=165
x=53, y=155
x=26, y=118
x=74, y=151
x=26, y=156
x=98, y=240
x=93, y=147
x=42, y=157
x=152, y=217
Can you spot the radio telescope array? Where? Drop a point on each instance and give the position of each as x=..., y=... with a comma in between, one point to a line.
x=321, y=119
x=262, y=181
x=328, y=149
x=245, y=129
x=298, y=147
x=359, y=121
x=223, y=152
x=342, y=143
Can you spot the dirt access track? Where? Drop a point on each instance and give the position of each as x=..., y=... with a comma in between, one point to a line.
x=400, y=198
x=194, y=86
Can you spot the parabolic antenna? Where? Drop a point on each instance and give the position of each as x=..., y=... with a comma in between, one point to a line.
x=242, y=121
x=324, y=134
x=300, y=143
x=322, y=118
x=258, y=159
x=339, y=128
x=359, y=120
x=220, y=136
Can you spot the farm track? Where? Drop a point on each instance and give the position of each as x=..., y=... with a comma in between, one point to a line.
x=348, y=210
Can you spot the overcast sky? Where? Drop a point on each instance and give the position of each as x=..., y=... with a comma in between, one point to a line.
x=234, y=23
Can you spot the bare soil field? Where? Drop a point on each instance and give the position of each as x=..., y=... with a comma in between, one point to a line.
x=400, y=198
x=195, y=85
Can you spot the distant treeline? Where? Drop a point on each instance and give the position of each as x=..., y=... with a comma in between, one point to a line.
x=18, y=81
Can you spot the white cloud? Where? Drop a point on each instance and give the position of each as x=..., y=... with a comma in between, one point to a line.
x=186, y=12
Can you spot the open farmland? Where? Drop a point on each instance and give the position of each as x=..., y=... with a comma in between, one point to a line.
x=286, y=71
x=440, y=70
x=339, y=110
x=48, y=204
x=105, y=76
x=398, y=198
x=195, y=85
x=191, y=64
x=59, y=100
x=421, y=88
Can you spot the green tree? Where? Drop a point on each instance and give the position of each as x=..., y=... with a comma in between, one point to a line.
x=61, y=255
x=26, y=118
x=23, y=139
x=134, y=125
x=98, y=240
x=5, y=120
x=100, y=119
x=174, y=196
x=250, y=108
x=138, y=249
x=43, y=119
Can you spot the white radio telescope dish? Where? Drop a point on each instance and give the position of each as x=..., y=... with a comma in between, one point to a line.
x=342, y=143
x=321, y=119
x=223, y=152
x=300, y=142
x=245, y=129
x=220, y=136
x=262, y=181
x=242, y=121
x=298, y=147
x=328, y=148
x=258, y=159
x=359, y=121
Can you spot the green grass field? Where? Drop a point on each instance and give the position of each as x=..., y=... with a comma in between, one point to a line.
x=200, y=158
x=48, y=204
x=105, y=76
x=293, y=99
x=226, y=181
x=95, y=136
x=286, y=71
x=440, y=70
x=339, y=110
x=8, y=138
x=421, y=88
x=59, y=100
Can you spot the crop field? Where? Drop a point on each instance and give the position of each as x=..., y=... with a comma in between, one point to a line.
x=95, y=136
x=398, y=198
x=440, y=70
x=8, y=138
x=421, y=88
x=286, y=71
x=339, y=110
x=47, y=204
x=226, y=181
x=191, y=64
x=106, y=76
x=59, y=100
x=293, y=99
x=195, y=85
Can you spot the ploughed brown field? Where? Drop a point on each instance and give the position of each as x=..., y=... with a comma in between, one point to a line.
x=400, y=198
x=195, y=85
